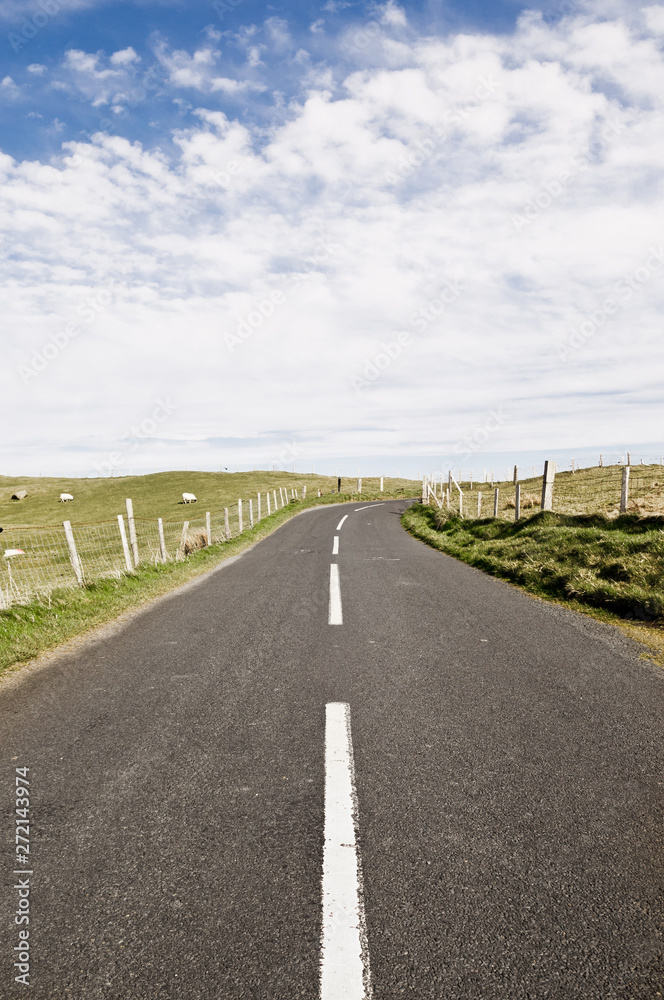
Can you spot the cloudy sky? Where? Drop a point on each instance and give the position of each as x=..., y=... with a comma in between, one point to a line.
x=327, y=234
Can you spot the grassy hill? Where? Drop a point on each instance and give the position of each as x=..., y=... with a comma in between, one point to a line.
x=160, y=494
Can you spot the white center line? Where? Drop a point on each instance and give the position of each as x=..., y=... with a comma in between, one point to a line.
x=368, y=507
x=342, y=521
x=335, y=546
x=345, y=973
x=335, y=617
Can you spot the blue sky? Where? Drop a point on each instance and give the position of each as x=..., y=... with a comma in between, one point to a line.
x=315, y=233
x=28, y=128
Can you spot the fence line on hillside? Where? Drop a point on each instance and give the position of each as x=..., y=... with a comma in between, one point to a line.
x=610, y=490
x=490, y=476
x=42, y=559
x=39, y=560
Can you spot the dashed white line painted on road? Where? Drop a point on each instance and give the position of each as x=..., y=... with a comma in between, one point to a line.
x=335, y=546
x=368, y=507
x=335, y=616
x=345, y=973
x=342, y=521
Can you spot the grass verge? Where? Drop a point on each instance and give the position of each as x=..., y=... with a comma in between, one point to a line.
x=26, y=630
x=612, y=568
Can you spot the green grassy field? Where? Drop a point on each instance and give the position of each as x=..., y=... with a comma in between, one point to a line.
x=610, y=566
x=160, y=494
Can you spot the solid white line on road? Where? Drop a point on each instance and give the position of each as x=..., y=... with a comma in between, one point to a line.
x=345, y=973
x=367, y=508
x=342, y=521
x=335, y=546
x=335, y=617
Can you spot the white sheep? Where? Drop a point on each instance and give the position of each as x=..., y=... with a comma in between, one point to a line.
x=64, y=497
x=188, y=498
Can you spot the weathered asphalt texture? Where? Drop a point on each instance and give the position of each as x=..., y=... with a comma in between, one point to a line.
x=509, y=770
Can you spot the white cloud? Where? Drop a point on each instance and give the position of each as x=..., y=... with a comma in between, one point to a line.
x=488, y=196
x=198, y=71
x=391, y=13
x=37, y=69
x=9, y=88
x=277, y=29
x=87, y=74
x=125, y=57
x=655, y=19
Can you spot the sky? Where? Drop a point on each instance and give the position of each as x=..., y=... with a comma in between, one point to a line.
x=339, y=235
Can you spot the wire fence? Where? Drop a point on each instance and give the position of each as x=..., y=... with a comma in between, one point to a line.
x=36, y=561
x=609, y=490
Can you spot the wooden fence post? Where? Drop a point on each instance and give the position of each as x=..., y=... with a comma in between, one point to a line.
x=227, y=524
x=275, y=500
x=183, y=541
x=251, y=512
x=479, y=504
x=624, y=492
x=132, y=531
x=495, y=501
x=73, y=554
x=304, y=492
x=268, y=503
x=125, y=545
x=259, y=507
x=162, y=541
x=601, y=461
x=547, y=485
x=239, y=515
x=381, y=484
x=516, y=474
x=359, y=486
x=208, y=528
x=517, y=502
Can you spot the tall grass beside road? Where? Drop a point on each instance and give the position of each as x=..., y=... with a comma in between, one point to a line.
x=611, y=566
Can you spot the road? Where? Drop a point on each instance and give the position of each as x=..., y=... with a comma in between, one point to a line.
x=494, y=785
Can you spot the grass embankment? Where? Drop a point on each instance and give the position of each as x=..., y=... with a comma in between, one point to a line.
x=26, y=630
x=612, y=568
x=160, y=494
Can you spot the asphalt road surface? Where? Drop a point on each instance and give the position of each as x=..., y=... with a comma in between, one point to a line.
x=490, y=825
